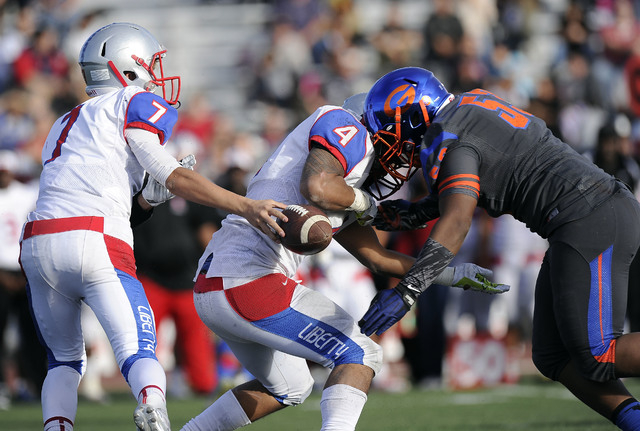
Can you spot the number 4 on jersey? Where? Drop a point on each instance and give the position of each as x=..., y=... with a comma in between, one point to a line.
x=346, y=134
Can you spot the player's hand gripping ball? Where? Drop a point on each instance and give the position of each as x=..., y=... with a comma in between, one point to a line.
x=308, y=230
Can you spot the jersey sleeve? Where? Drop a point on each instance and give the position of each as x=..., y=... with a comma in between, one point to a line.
x=343, y=135
x=459, y=173
x=151, y=112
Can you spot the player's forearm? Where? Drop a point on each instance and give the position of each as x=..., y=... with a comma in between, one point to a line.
x=195, y=188
x=363, y=244
x=392, y=264
x=455, y=221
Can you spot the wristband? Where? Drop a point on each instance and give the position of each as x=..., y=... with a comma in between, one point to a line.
x=408, y=294
x=361, y=202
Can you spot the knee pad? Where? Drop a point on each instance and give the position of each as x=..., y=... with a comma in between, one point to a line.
x=296, y=395
x=552, y=365
x=549, y=365
x=597, y=369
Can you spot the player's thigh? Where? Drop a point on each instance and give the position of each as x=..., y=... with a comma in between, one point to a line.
x=120, y=304
x=57, y=320
x=589, y=282
x=589, y=270
x=283, y=374
x=51, y=265
x=317, y=324
x=125, y=315
x=305, y=324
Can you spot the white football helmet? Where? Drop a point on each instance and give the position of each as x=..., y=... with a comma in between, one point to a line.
x=122, y=54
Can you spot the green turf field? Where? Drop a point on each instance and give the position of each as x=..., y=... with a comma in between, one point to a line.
x=539, y=406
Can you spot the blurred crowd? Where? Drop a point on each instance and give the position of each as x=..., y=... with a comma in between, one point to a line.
x=574, y=63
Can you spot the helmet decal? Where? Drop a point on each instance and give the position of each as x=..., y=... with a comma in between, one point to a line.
x=116, y=73
x=406, y=94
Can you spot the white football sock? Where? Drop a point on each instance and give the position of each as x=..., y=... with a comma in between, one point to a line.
x=60, y=398
x=225, y=414
x=341, y=406
x=58, y=424
x=148, y=382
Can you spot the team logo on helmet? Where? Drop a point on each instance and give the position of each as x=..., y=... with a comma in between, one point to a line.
x=402, y=96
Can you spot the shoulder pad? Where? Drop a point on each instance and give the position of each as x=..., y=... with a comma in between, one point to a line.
x=340, y=132
x=151, y=112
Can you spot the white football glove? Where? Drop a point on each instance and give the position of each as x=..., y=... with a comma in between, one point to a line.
x=471, y=276
x=364, y=206
x=155, y=193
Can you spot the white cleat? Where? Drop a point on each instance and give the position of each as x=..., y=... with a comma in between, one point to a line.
x=148, y=418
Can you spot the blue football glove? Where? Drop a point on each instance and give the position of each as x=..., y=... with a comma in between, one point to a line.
x=387, y=308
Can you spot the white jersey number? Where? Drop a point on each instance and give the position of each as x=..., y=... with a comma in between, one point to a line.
x=346, y=134
x=159, y=113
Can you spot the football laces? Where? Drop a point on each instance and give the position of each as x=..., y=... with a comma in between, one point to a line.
x=298, y=209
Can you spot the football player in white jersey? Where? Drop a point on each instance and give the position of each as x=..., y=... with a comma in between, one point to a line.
x=77, y=243
x=246, y=294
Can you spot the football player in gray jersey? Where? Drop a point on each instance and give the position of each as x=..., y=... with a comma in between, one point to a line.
x=480, y=151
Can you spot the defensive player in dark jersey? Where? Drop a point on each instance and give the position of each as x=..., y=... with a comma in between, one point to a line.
x=480, y=151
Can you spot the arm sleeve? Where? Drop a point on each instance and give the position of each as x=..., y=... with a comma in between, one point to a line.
x=152, y=156
x=432, y=260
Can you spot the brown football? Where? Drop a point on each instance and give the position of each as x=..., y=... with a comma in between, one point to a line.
x=308, y=230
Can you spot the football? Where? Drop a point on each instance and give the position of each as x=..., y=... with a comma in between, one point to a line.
x=308, y=230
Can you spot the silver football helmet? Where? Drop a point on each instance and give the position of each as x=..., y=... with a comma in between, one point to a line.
x=123, y=54
x=355, y=104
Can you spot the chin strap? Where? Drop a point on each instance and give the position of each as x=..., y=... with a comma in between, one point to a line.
x=425, y=113
x=398, y=119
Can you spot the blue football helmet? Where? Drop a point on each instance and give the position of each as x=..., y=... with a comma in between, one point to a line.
x=397, y=111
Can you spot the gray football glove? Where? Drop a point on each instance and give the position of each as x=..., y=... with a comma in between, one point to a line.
x=470, y=276
x=155, y=193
